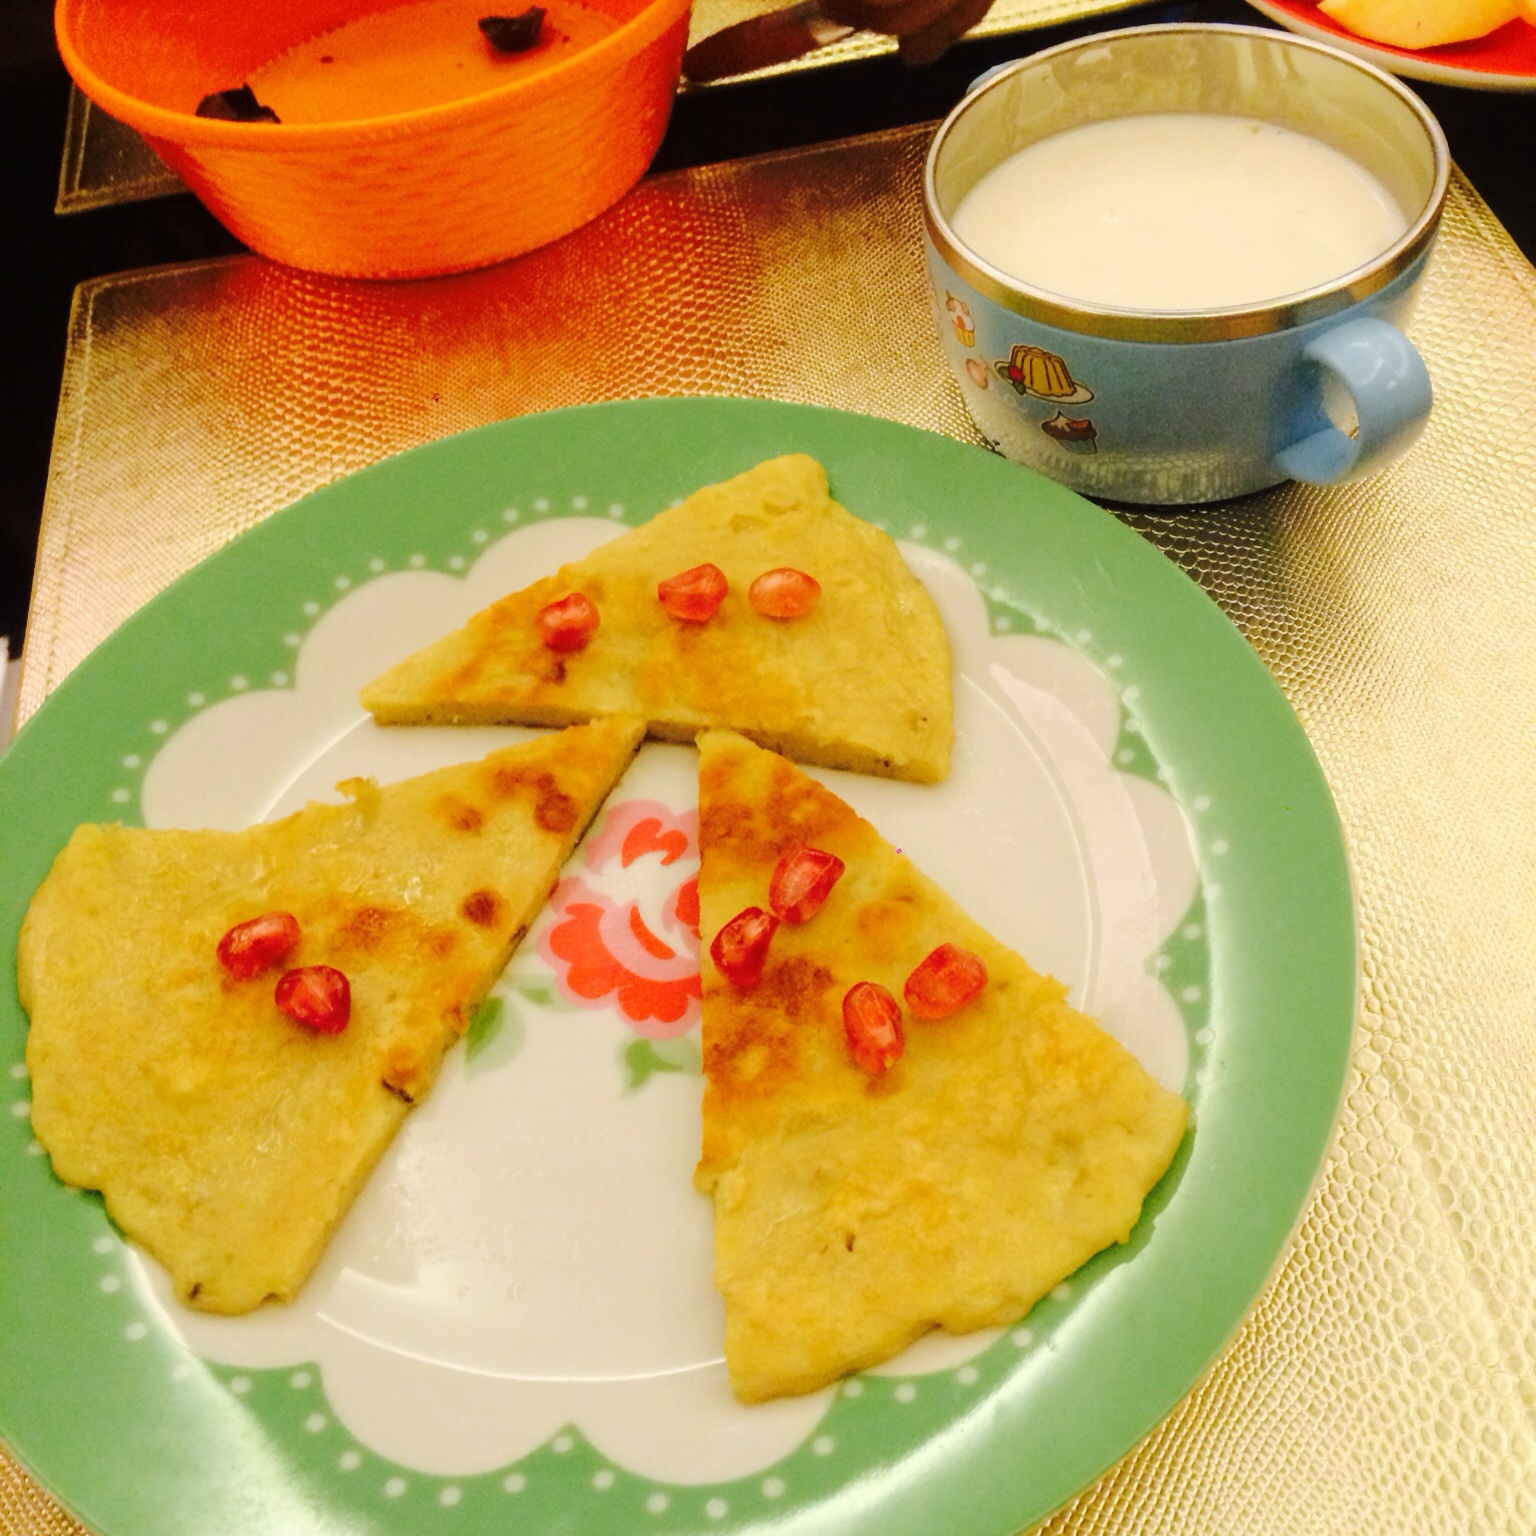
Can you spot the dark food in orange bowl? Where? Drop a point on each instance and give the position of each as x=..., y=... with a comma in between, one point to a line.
x=395, y=125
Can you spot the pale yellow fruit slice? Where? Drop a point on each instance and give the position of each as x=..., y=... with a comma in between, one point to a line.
x=1421, y=23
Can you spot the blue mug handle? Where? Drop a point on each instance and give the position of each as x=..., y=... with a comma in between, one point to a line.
x=1389, y=384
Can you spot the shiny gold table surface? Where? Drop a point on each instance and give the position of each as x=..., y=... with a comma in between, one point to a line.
x=1385, y=1385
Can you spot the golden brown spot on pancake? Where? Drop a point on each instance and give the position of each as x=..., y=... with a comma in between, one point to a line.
x=402, y=1075
x=791, y=813
x=801, y=815
x=556, y=811
x=460, y=814
x=716, y=775
x=723, y=823
x=750, y=1061
x=506, y=782
x=885, y=927
x=367, y=928
x=749, y=836
x=482, y=908
x=794, y=987
x=757, y=1045
x=439, y=942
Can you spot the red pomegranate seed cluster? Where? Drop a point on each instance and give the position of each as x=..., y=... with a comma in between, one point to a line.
x=941, y=985
x=693, y=596
x=800, y=883
x=316, y=996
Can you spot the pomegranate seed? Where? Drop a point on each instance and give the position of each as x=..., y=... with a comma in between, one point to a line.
x=567, y=623
x=801, y=881
x=784, y=593
x=251, y=947
x=872, y=1022
x=740, y=949
x=316, y=996
x=694, y=595
x=945, y=982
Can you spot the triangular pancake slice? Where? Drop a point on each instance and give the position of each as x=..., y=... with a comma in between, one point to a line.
x=1007, y=1145
x=228, y=1140
x=862, y=681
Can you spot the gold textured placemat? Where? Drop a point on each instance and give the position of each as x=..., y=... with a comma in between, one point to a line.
x=1386, y=1383
x=106, y=162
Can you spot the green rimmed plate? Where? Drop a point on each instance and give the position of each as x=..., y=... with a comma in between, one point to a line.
x=1104, y=704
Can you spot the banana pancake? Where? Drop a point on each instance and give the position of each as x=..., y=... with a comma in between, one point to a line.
x=860, y=679
x=877, y=1170
x=227, y=1137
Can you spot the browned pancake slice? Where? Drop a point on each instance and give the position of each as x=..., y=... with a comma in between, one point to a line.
x=1010, y=1143
x=860, y=682
x=226, y=1139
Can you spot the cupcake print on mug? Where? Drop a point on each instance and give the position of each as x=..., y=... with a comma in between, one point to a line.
x=959, y=313
x=1043, y=375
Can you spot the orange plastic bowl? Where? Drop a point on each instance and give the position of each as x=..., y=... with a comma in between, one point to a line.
x=405, y=145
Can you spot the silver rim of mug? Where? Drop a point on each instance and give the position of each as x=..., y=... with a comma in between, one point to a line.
x=1187, y=325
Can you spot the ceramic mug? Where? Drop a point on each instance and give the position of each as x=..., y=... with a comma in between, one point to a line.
x=1180, y=406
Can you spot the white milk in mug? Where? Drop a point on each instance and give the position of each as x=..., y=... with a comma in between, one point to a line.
x=1179, y=211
